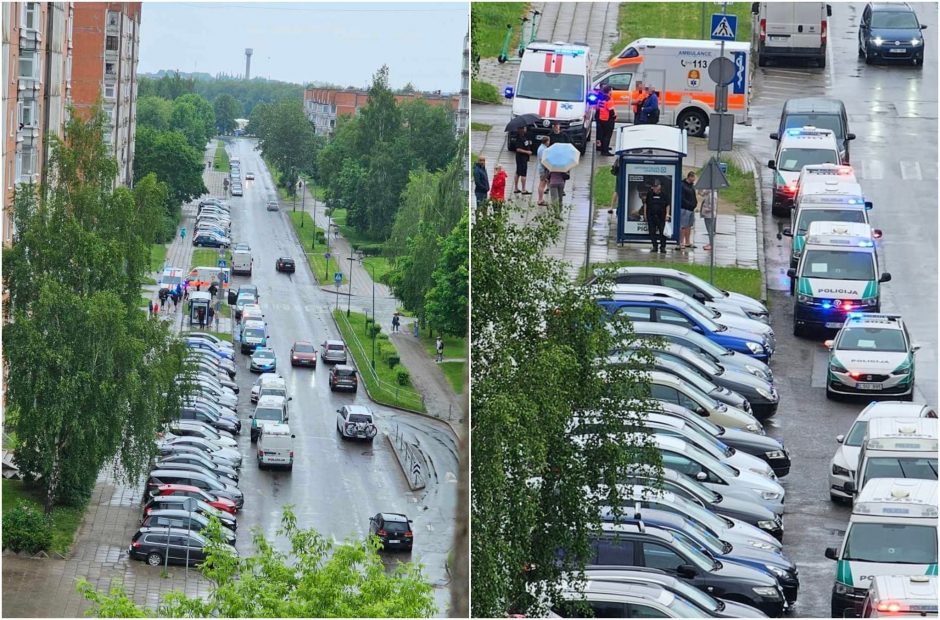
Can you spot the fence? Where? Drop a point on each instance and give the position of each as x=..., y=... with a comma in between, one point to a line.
x=412, y=460
x=406, y=395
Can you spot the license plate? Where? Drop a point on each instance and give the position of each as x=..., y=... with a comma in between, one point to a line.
x=897, y=51
x=393, y=542
x=778, y=38
x=868, y=386
x=833, y=325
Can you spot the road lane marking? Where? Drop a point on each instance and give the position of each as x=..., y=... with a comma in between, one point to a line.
x=820, y=368
x=872, y=170
x=910, y=170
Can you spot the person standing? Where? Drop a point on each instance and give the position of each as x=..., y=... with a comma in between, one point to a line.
x=556, y=187
x=498, y=189
x=213, y=289
x=481, y=181
x=183, y=233
x=439, y=346
x=523, y=152
x=649, y=113
x=542, y=170
x=656, y=210
x=709, y=213
x=558, y=136
x=638, y=101
x=156, y=308
x=606, y=121
x=395, y=322
x=687, y=211
x=211, y=315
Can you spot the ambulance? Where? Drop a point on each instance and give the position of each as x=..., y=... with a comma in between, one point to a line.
x=895, y=596
x=553, y=84
x=892, y=531
x=839, y=272
x=677, y=69
x=897, y=448
x=203, y=277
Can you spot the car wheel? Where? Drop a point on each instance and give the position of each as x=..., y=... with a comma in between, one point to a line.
x=797, y=329
x=822, y=62
x=861, y=51
x=154, y=559
x=355, y=390
x=761, y=60
x=694, y=122
x=792, y=286
x=869, y=59
x=332, y=389
x=830, y=395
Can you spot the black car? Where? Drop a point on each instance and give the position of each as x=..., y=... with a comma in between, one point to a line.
x=638, y=545
x=198, y=468
x=891, y=31
x=157, y=545
x=189, y=504
x=393, y=529
x=184, y=519
x=820, y=112
x=343, y=377
x=285, y=264
x=209, y=241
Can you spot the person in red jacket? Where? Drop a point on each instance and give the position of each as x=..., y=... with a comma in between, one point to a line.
x=498, y=188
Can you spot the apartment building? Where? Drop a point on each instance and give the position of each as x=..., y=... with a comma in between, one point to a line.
x=37, y=67
x=323, y=106
x=107, y=47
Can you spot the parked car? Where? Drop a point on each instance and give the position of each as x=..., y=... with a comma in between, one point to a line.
x=218, y=342
x=303, y=353
x=187, y=490
x=174, y=449
x=355, y=422
x=159, y=477
x=284, y=264
x=333, y=352
x=159, y=545
x=263, y=360
x=193, y=428
x=189, y=504
x=343, y=377
x=211, y=448
x=272, y=205
x=208, y=240
x=393, y=529
x=184, y=519
x=195, y=458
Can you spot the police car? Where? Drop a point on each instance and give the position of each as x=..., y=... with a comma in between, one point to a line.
x=799, y=147
x=871, y=354
x=891, y=596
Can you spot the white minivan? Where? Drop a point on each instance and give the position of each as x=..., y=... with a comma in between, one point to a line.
x=275, y=446
x=794, y=30
x=241, y=262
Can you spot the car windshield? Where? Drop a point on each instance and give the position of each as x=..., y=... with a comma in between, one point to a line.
x=301, y=347
x=268, y=413
x=245, y=299
x=857, y=434
x=838, y=265
x=793, y=159
x=808, y=216
x=264, y=355
x=705, y=315
x=696, y=536
x=703, y=459
x=820, y=121
x=693, y=553
x=690, y=373
x=891, y=543
x=894, y=20
x=919, y=468
x=872, y=339
x=698, y=395
x=551, y=86
x=273, y=391
x=254, y=332
x=336, y=347
x=700, y=362
x=172, y=279
x=710, y=443
x=360, y=418
x=686, y=508
x=396, y=526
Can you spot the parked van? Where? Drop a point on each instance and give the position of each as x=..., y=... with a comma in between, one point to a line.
x=269, y=384
x=897, y=448
x=553, y=83
x=891, y=596
x=821, y=112
x=241, y=262
x=275, y=446
x=270, y=409
x=892, y=531
x=677, y=69
x=792, y=30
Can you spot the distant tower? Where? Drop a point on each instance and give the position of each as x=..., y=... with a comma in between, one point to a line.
x=248, y=52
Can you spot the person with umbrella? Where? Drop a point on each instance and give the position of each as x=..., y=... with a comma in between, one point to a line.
x=559, y=159
x=523, y=152
x=542, y=170
x=481, y=181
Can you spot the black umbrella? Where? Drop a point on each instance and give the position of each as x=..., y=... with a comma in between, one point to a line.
x=521, y=121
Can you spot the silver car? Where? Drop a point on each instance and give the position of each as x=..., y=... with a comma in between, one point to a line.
x=355, y=422
x=333, y=352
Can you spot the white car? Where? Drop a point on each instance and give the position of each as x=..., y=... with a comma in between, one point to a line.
x=355, y=422
x=844, y=463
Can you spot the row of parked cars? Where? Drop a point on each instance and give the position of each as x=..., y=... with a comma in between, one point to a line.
x=213, y=228
x=235, y=176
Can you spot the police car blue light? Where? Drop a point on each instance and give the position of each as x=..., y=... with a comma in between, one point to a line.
x=508, y=92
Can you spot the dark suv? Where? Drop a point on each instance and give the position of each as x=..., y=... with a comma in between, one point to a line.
x=890, y=31
x=343, y=377
x=820, y=112
x=393, y=529
x=157, y=545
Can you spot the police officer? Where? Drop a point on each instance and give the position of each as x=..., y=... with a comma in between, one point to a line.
x=656, y=209
x=606, y=119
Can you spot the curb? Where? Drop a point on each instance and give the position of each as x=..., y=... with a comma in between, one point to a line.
x=761, y=266
x=401, y=465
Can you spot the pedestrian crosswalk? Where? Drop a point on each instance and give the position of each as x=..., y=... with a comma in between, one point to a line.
x=892, y=170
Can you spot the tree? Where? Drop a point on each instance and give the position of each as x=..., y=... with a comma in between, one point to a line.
x=428, y=136
x=185, y=120
x=549, y=415
x=204, y=112
x=167, y=87
x=227, y=109
x=446, y=302
x=318, y=579
x=154, y=112
x=175, y=162
x=287, y=140
x=91, y=378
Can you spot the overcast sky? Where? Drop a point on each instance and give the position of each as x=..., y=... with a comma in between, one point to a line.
x=342, y=43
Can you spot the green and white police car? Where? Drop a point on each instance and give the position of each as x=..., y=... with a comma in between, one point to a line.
x=871, y=355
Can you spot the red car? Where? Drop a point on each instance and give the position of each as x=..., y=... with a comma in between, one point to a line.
x=221, y=503
x=303, y=353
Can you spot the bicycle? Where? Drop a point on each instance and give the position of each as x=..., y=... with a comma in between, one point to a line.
x=523, y=41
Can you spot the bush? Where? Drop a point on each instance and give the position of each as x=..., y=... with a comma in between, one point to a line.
x=404, y=377
x=373, y=330
x=393, y=361
x=26, y=528
x=484, y=92
x=370, y=249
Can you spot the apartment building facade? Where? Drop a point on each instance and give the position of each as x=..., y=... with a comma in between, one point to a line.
x=323, y=106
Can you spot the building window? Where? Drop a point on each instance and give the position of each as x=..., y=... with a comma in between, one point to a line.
x=25, y=165
x=31, y=16
x=109, y=69
x=29, y=64
x=109, y=91
x=111, y=43
x=112, y=19
x=26, y=111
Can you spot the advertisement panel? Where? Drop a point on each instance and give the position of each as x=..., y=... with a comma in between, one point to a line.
x=640, y=178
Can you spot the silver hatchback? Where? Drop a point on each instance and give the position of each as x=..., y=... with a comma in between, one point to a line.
x=333, y=352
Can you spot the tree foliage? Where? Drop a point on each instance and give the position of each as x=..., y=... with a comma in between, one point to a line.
x=172, y=158
x=167, y=87
x=250, y=93
x=154, y=112
x=205, y=113
x=227, y=109
x=317, y=579
x=446, y=302
x=287, y=140
x=541, y=345
x=91, y=378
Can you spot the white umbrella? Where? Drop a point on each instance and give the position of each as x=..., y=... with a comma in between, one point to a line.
x=561, y=157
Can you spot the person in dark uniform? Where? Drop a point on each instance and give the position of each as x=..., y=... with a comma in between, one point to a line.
x=656, y=211
x=558, y=136
x=524, y=149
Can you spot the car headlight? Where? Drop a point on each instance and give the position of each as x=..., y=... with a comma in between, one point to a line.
x=906, y=370
x=840, y=471
x=767, y=592
x=755, y=348
x=757, y=372
x=775, y=454
x=841, y=588
x=916, y=42
x=766, y=394
x=877, y=41
x=777, y=571
x=871, y=302
x=804, y=299
x=770, y=526
x=768, y=495
x=755, y=427
x=759, y=544
x=835, y=366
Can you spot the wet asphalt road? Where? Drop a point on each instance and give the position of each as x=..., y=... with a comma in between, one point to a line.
x=893, y=111
x=335, y=485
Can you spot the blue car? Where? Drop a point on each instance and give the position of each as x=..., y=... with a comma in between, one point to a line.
x=205, y=345
x=650, y=309
x=263, y=360
x=891, y=31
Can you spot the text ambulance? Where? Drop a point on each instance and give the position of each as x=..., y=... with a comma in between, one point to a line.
x=677, y=69
x=553, y=85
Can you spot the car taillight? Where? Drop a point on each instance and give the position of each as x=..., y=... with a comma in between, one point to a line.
x=291, y=454
x=260, y=453
x=763, y=30
x=135, y=545
x=381, y=533
x=823, y=31
x=408, y=534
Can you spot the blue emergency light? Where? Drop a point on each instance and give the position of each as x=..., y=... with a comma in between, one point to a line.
x=592, y=98
x=508, y=92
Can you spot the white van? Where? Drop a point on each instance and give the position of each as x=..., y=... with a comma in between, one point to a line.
x=241, y=262
x=892, y=531
x=677, y=69
x=796, y=148
x=897, y=448
x=798, y=30
x=553, y=83
x=275, y=446
x=893, y=596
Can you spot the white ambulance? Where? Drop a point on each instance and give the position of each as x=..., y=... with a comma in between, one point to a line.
x=677, y=69
x=553, y=84
x=892, y=531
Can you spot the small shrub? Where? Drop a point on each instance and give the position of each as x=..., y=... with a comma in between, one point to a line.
x=393, y=361
x=484, y=92
x=370, y=249
x=382, y=338
x=373, y=330
x=26, y=528
x=404, y=377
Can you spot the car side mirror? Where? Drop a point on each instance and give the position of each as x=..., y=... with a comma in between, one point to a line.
x=787, y=232
x=686, y=570
x=828, y=10
x=755, y=7
x=771, y=164
x=869, y=205
x=251, y=416
x=339, y=411
x=828, y=344
x=791, y=272
x=915, y=348
x=850, y=136
x=885, y=277
x=832, y=553
x=290, y=398
x=840, y=438
x=923, y=26
x=774, y=136
x=701, y=476
x=849, y=487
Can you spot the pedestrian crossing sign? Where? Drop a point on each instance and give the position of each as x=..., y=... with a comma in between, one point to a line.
x=724, y=27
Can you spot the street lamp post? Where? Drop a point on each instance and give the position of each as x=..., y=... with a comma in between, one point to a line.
x=302, y=196
x=372, y=270
x=349, y=301
x=313, y=242
x=328, y=226
x=294, y=193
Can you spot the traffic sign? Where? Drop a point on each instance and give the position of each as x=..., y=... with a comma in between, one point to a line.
x=724, y=27
x=326, y=255
x=722, y=70
x=712, y=177
x=338, y=277
x=221, y=262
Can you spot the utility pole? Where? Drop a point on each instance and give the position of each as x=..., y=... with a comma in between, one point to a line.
x=721, y=106
x=349, y=301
